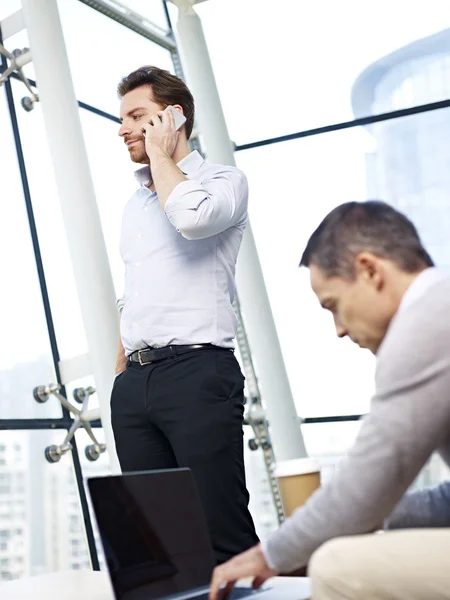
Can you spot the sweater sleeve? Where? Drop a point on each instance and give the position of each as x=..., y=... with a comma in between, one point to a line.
x=409, y=419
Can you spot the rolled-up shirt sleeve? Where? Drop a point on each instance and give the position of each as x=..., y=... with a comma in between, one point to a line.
x=120, y=303
x=201, y=209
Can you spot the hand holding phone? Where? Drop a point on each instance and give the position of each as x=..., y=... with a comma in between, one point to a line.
x=180, y=119
x=158, y=135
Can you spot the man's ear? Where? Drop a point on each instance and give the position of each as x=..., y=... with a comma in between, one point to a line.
x=369, y=268
x=179, y=108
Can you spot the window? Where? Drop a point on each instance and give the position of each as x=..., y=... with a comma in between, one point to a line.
x=285, y=210
x=28, y=517
x=319, y=173
x=23, y=319
x=311, y=74
x=303, y=68
x=107, y=53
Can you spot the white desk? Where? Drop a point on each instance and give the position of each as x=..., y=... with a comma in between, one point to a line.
x=85, y=585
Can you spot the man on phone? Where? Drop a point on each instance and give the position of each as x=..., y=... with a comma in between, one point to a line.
x=177, y=400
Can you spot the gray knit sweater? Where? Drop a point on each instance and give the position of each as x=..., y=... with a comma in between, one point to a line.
x=409, y=420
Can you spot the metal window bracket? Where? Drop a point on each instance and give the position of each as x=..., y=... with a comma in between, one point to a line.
x=82, y=418
x=18, y=59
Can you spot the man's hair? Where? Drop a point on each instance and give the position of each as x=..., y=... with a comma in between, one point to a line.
x=167, y=89
x=356, y=227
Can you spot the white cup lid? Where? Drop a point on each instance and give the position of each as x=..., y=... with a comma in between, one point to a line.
x=296, y=466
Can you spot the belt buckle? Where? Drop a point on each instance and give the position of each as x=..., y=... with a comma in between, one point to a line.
x=141, y=362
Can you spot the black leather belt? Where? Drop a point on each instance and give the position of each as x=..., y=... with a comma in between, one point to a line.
x=147, y=356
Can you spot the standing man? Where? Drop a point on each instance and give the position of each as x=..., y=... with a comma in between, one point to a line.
x=178, y=398
x=369, y=269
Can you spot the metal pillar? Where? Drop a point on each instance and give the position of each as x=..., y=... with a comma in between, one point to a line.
x=76, y=191
x=259, y=323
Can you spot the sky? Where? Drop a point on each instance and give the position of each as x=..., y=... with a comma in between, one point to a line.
x=280, y=67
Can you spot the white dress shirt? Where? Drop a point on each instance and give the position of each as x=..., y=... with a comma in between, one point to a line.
x=180, y=262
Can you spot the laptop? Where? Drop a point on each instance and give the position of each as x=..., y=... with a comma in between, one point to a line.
x=155, y=538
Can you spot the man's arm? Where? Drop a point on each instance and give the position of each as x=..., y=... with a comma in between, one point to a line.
x=121, y=360
x=422, y=508
x=409, y=419
x=165, y=174
x=200, y=210
x=161, y=139
x=196, y=209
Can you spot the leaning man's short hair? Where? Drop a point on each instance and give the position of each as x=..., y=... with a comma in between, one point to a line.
x=372, y=226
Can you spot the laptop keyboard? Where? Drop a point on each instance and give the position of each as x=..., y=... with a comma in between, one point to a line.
x=237, y=593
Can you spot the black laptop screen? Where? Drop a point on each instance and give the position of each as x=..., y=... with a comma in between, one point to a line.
x=153, y=532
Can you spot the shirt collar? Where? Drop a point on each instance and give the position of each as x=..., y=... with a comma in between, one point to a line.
x=188, y=165
x=420, y=285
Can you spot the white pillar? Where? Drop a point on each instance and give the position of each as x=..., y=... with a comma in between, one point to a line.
x=76, y=192
x=259, y=323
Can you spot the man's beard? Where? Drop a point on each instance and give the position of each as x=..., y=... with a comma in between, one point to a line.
x=138, y=154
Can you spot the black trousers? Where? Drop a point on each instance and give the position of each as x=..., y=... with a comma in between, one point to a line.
x=187, y=411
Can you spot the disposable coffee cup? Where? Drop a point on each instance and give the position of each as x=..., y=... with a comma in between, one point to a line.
x=297, y=480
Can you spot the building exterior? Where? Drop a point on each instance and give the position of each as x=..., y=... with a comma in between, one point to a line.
x=41, y=525
x=409, y=168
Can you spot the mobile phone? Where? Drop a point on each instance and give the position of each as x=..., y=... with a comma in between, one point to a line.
x=180, y=119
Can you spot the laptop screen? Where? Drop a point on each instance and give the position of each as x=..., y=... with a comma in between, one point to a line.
x=153, y=532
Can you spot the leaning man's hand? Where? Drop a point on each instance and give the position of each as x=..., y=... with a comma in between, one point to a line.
x=251, y=563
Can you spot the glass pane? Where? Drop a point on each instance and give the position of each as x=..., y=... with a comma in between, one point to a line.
x=114, y=182
x=327, y=375
x=38, y=507
x=330, y=442
x=25, y=354
x=108, y=52
x=409, y=169
x=153, y=10
x=294, y=65
x=52, y=237
x=8, y=7
x=403, y=161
